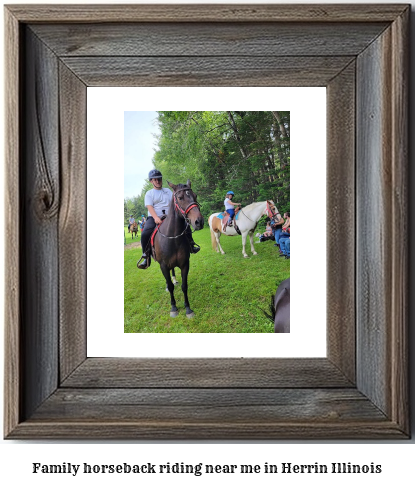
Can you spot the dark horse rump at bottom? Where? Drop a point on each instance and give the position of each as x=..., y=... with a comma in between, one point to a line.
x=282, y=307
x=171, y=245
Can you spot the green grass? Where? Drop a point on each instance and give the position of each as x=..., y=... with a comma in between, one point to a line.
x=228, y=293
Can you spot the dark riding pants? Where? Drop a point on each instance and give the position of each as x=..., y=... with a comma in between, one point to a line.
x=146, y=234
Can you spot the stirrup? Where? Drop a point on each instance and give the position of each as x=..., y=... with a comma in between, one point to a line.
x=194, y=248
x=145, y=264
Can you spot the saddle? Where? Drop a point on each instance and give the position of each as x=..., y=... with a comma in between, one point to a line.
x=228, y=222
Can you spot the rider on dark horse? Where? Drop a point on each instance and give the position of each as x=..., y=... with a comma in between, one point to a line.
x=157, y=200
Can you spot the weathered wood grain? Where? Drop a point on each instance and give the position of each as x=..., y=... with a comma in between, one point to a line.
x=40, y=192
x=341, y=175
x=201, y=71
x=51, y=390
x=373, y=247
x=207, y=13
x=400, y=256
x=234, y=39
x=72, y=222
x=209, y=405
x=206, y=373
x=188, y=430
x=13, y=383
x=382, y=248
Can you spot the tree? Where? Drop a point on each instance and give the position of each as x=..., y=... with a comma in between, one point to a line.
x=246, y=152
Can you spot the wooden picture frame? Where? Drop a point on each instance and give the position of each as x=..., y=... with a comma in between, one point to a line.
x=359, y=391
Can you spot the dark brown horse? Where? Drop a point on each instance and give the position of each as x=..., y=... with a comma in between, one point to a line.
x=134, y=230
x=171, y=244
x=280, y=308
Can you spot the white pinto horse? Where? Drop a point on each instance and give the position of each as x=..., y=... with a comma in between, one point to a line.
x=247, y=221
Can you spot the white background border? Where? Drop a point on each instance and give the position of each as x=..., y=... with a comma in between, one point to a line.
x=105, y=268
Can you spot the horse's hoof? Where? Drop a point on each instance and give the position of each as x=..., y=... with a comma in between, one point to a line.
x=255, y=253
x=174, y=314
x=190, y=315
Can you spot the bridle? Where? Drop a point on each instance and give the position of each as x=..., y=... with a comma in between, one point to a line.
x=181, y=212
x=179, y=209
x=270, y=213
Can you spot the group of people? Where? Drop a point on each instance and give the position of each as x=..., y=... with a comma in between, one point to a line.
x=141, y=222
x=279, y=228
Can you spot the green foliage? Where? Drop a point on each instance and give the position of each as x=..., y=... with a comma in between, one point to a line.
x=246, y=152
x=134, y=206
x=228, y=293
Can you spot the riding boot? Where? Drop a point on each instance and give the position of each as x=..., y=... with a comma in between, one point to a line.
x=194, y=248
x=146, y=263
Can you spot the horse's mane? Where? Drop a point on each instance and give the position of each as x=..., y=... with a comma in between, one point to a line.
x=251, y=205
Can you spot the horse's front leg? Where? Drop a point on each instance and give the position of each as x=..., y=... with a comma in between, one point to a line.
x=251, y=240
x=166, y=273
x=244, y=234
x=185, y=271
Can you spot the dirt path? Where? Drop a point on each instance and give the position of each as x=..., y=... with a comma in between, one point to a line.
x=132, y=245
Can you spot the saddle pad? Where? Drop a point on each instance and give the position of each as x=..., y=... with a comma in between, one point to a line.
x=221, y=216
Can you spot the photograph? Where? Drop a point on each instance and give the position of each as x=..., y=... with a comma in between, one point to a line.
x=207, y=221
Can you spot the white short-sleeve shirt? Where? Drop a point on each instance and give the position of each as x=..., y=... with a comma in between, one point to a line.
x=159, y=200
x=227, y=204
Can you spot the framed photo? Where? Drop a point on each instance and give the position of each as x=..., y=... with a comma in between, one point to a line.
x=359, y=390
x=234, y=330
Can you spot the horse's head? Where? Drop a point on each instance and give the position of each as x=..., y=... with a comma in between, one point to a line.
x=186, y=205
x=271, y=210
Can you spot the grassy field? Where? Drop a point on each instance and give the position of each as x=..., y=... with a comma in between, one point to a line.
x=228, y=293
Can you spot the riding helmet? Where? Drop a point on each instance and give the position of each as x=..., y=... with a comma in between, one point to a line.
x=154, y=173
x=230, y=193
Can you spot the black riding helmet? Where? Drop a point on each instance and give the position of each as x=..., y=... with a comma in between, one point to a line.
x=154, y=173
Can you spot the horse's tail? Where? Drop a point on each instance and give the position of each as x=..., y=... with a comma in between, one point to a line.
x=212, y=234
x=213, y=239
